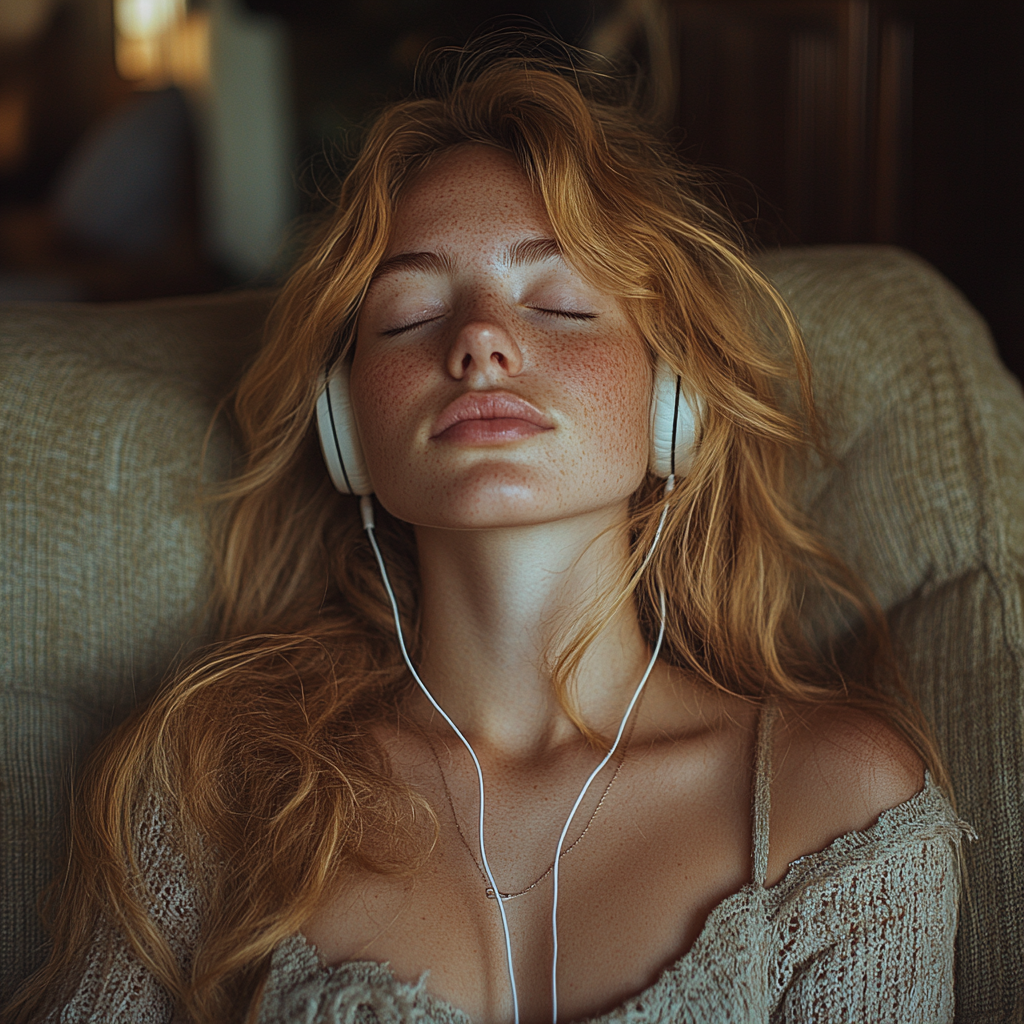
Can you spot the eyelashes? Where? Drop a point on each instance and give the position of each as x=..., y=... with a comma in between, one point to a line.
x=568, y=314
x=576, y=315
x=393, y=332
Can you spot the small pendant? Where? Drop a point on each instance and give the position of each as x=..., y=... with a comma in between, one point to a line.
x=489, y=893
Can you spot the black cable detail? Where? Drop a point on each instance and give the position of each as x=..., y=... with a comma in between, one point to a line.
x=675, y=423
x=334, y=433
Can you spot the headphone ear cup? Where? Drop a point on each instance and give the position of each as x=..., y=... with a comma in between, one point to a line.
x=339, y=436
x=675, y=417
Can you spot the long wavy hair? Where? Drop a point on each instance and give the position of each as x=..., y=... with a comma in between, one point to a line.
x=262, y=749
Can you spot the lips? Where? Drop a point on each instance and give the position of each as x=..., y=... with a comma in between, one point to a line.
x=488, y=416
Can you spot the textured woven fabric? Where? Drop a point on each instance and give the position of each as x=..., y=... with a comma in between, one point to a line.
x=859, y=932
x=103, y=411
x=927, y=502
x=102, y=579
x=862, y=931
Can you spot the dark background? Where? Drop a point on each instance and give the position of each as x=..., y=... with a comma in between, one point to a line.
x=826, y=120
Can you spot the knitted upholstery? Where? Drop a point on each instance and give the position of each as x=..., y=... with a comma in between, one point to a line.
x=927, y=503
x=103, y=576
x=103, y=573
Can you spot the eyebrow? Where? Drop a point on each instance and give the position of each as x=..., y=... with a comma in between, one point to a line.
x=436, y=262
x=532, y=250
x=528, y=250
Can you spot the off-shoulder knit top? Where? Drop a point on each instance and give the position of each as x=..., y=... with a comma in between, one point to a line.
x=861, y=931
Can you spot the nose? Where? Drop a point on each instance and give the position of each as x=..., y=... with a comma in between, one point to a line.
x=484, y=352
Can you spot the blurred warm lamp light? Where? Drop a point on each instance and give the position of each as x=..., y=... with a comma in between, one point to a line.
x=141, y=19
x=159, y=43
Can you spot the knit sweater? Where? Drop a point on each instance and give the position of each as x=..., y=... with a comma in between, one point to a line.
x=861, y=931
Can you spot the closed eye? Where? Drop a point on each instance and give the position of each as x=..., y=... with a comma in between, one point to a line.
x=393, y=332
x=568, y=314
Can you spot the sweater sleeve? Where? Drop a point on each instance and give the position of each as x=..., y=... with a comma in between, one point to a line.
x=113, y=984
x=872, y=938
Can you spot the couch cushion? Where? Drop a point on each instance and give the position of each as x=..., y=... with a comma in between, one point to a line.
x=103, y=567
x=927, y=503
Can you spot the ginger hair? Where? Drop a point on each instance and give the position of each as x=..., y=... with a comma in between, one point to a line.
x=262, y=748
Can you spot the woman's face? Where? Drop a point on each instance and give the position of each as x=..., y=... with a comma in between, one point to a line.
x=492, y=385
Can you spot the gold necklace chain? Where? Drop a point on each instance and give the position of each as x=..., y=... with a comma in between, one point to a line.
x=505, y=896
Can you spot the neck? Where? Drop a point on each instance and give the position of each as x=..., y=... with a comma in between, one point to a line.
x=495, y=605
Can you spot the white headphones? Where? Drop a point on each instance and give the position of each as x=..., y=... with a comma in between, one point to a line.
x=675, y=416
x=674, y=423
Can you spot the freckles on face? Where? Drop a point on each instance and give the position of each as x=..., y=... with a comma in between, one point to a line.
x=473, y=299
x=609, y=382
x=384, y=388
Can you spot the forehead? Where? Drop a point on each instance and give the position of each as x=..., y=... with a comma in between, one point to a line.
x=472, y=192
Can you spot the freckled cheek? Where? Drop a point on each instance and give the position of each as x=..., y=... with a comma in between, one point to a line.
x=384, y=397
x=614, y=386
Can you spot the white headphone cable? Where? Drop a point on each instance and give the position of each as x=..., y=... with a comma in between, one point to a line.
x=366, y=511
x=669, y=485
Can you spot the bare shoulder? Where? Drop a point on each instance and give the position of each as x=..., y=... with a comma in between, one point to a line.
x=835, y=771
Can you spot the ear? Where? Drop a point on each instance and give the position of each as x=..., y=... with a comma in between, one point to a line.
x=339, y=436
x=675, y=420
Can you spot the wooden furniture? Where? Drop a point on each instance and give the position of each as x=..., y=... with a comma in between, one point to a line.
x=809, y=101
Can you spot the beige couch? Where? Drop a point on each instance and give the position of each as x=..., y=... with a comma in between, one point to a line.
x=104, y=573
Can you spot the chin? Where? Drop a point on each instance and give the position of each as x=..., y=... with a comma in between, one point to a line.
x=499, y=508
x=496, y=506
x=499, y=504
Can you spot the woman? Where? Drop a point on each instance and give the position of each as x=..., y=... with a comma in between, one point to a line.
x=328, y=818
